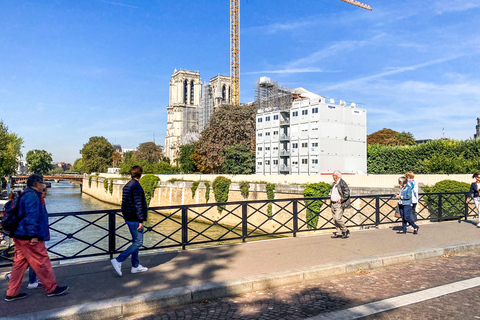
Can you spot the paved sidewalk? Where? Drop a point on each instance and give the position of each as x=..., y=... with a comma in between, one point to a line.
x=192, y=275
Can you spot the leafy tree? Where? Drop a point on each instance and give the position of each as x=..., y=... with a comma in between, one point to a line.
x=10, y=146
x=389, y=137
x=39, y=161
x=185, y=158
x=57, y=170
x=238, y=160
x=149, y=152
x=228, y=126
x=164, y=168
x=97, y=154
x=77, y=166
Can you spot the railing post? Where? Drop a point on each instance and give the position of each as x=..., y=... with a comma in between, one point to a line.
x=440, y=209
x=377, y=211
x=466, y=206
x=244, y=221
x=184, y=227
x=111, y=233
x=295, y=217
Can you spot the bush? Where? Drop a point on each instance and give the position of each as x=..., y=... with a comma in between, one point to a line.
x=105, y=184
x=90, y=181
x=315, y=190
x=110, y=188
x=207, y=191
x=194, y=188
x=453, y=206
x=270, y=195
x=149, y=183
x=221, y=186
x=244, y=188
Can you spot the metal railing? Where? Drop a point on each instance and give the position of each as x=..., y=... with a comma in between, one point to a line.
x=87, y=234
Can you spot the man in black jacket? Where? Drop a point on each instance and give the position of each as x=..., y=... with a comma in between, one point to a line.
x=340, y=199
x=134, y=210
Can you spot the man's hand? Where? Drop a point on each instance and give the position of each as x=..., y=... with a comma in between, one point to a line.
x=140, y=226
x=34, y=241
x=339, y=201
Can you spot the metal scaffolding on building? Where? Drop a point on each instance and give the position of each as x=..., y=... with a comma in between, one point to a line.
x=269, y=95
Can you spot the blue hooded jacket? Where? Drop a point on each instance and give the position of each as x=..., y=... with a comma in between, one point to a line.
x=34, y=223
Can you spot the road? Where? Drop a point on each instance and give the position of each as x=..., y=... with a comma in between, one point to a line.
x=320, y=299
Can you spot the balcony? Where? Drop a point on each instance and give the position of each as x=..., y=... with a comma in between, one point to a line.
x=284, y=168
x=284, y=137
x=284, y=122
x=285, y=153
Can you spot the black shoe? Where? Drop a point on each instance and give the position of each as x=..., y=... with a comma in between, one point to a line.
x=345, y=234
x=335, y=235
x=58, y=291
x=17, y=297
x=415, y=231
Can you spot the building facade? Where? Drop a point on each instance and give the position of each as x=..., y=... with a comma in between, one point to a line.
x=313, y=135
x=214, y=94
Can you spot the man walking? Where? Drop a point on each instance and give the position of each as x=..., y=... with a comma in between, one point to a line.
x=134, y=210
x=340, y=199
x=29, y=239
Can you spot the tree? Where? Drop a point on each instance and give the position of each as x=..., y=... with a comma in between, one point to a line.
x=77, y=166
x=149, y=152
x=58, y=170
x=238, y=160
x=228, y=126
x=389, y=137
x=10, y=154
x=185, y=158
x=39, y=161
x=116, y=159
x=97, y=154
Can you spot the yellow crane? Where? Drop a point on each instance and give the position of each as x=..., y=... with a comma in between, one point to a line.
x=235, y=45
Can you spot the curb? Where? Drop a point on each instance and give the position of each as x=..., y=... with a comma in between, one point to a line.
x=155, y=300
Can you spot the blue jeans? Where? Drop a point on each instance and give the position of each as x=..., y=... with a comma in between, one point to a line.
x=32, y=276
x=137, y=242
x=406, y=213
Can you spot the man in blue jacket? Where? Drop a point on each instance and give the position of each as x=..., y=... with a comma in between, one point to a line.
x=134, y=210
x=29, y=238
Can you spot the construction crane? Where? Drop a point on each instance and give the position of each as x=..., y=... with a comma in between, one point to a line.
x=235, y=45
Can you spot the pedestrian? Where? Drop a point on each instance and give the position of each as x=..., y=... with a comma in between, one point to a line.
x=29, y=239
x=411, y=181
x=134, y=210
x=475, y=193
x=405, y=205
x=340, y=200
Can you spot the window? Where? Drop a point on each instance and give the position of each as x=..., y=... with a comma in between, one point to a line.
x=315, y=144
x=185, y=91
x=275, y=133
x=304, y=112
x=259, y=163
x=223, y=93
x=259, y=120
x=313, y=129
x=267, y=162
x=294, y=145
x=260, y=134
x=267, y=133
x=315, y=110
x=192, y=91
x=267, y=118
x=304, y=161
x=304, y=130
x=259, y=148
x=295, y=163
x=275, y=148
x=267, y=148
x=295, y=113
x=314, y=161
x=275, y=117
x=304, y=144
x=275, y=161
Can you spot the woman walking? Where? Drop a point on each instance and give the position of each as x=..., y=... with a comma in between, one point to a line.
x=475, y=193
x=405, y=205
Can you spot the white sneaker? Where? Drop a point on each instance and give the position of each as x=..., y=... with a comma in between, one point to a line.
x=35, y=285
x=8, y=276
x=139, y=269
x=410, y=227
x=117, y=266
x=478, y=225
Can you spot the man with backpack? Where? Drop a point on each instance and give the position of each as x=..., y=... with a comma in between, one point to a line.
x=29, y=238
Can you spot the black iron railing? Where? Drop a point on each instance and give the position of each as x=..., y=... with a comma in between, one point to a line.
x=76, y=235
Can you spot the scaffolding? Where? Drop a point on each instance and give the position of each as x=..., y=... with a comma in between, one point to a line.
x=269, y=95
x=206, y=107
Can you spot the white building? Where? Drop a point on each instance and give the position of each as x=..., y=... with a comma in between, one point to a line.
x=312, y=136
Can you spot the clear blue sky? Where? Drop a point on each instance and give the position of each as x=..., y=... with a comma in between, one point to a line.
x=70, y=70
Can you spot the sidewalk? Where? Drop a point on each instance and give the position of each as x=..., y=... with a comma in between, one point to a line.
x=193, y=275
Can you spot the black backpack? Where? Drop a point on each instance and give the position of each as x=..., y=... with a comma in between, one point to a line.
x=11, y=218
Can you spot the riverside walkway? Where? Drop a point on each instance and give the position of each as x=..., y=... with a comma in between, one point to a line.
x=179, y=277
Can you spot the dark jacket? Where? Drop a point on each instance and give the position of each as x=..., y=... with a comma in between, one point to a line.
x=473, y=192
x=344, y=193
x=34, y=223
x=134, y=204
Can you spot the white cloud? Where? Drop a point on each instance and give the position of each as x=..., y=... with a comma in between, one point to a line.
x=442, y=7
x=280, y=71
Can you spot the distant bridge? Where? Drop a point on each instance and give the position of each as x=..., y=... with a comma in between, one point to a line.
x=75, y=178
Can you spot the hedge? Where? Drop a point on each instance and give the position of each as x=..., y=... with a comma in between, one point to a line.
x=315, y=190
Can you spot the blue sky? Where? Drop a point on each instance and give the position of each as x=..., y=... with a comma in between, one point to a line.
x=70, y=70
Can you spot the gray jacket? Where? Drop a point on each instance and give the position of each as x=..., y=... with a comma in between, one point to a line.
x=344, y=193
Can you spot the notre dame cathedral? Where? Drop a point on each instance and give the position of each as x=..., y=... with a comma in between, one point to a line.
x=190, y=107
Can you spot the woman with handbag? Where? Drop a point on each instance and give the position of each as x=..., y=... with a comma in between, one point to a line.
x=405, y=205
x=475, y=193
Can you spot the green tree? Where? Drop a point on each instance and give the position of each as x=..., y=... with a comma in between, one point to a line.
x=77, y=166
x=389, y=137
x=164, y=168
x=39, y=161
x=185, y=158
x=228, y=126
x=10, y=146
x=97, y=155
x=57, y=170
x=149, y=152
x=238, y=160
